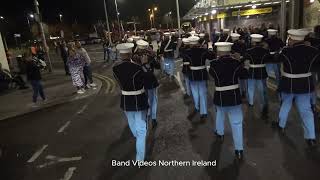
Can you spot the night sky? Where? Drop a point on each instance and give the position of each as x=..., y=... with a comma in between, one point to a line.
x=87, y=11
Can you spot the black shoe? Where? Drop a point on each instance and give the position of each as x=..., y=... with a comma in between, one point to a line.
x=220, y=138
x=192, y=114
x=238, y=155
x=275, y=125
x=186, y=96
x=154, y=123
x=203, y=118
x=312, y=143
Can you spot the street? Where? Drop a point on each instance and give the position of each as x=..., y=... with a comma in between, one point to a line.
x=78, y=140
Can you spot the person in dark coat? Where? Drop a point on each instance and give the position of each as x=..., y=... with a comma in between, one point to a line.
x=185, y=65
x=226, y=72
x=134, y=100
x=198, y=75
x=34, y=77
x=238, y=49
x=275, y=44
x=298, y=61
x=258, y=57
x=151, y=84
x=64, y=56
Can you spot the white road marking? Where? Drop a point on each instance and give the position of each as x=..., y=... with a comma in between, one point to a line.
x=63, y=159
x=82, y=109
x=47, y=164
x=64, y=127
x=180, y=82
x=69, y=159
x=37, y=154
x=69, y=173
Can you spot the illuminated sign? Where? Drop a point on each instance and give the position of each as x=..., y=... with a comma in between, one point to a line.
x=252, y=12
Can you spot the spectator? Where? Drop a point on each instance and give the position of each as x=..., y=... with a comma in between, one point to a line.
x=64, y=56
x=76, y=63
x=106, y=49
x=34, y=77
x=87, y=68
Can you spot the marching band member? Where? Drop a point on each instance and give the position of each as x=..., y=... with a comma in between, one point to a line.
x=226, y=72
x=134, y=101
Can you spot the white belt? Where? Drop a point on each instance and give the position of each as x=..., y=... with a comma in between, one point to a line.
x=186, y=63
x=132, y=93
x=257, y=65
x=197, y=67
x=227, y=88
x=272, y=53
x=296, y=76
x=169, y=50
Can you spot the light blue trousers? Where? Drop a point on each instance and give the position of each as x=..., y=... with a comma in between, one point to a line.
x=137, y=121
x=153, y=102
x=262, y=91
x=199, y=94
x=243, y=85
x=169, y=65
x=235, y=117
x=304, y=107
x=187, y=84
x=275, y=69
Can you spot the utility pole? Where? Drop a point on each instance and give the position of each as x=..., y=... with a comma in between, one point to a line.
x=283, y=19
x=107, y=19
x=43, y=37
x=116, y=4
x=178, y=16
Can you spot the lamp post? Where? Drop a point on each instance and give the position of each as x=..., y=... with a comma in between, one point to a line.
x=107, y=19
x=178, y=16
x=152, y=16
x=60, y=17
x=43, y=36
x=2, y=21
x=118, y=13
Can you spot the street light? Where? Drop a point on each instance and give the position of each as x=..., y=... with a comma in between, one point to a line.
x=1, y=17
x=60, y=16
x=31, y=16
x=152, y=15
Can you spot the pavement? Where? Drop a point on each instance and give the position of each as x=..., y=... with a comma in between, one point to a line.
x=78, y=140
x=58, y=89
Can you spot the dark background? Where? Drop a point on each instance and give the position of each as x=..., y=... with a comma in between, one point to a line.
x=88, y=11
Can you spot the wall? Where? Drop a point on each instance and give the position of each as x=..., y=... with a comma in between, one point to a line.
x=311, y=14
x=3, y=57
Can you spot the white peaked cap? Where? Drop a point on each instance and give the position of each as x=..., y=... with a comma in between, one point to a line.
x=298, y=35
x=130, y=40
x=256, y=37
x=125, y=48
x=167, y=34
x=194, y=39
x=136, y=38
x=226, y=30
x=185, y=41
x=201, y=34
x=142, y=44
x=223, y=46
x=272, y=32
x=235, y=36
